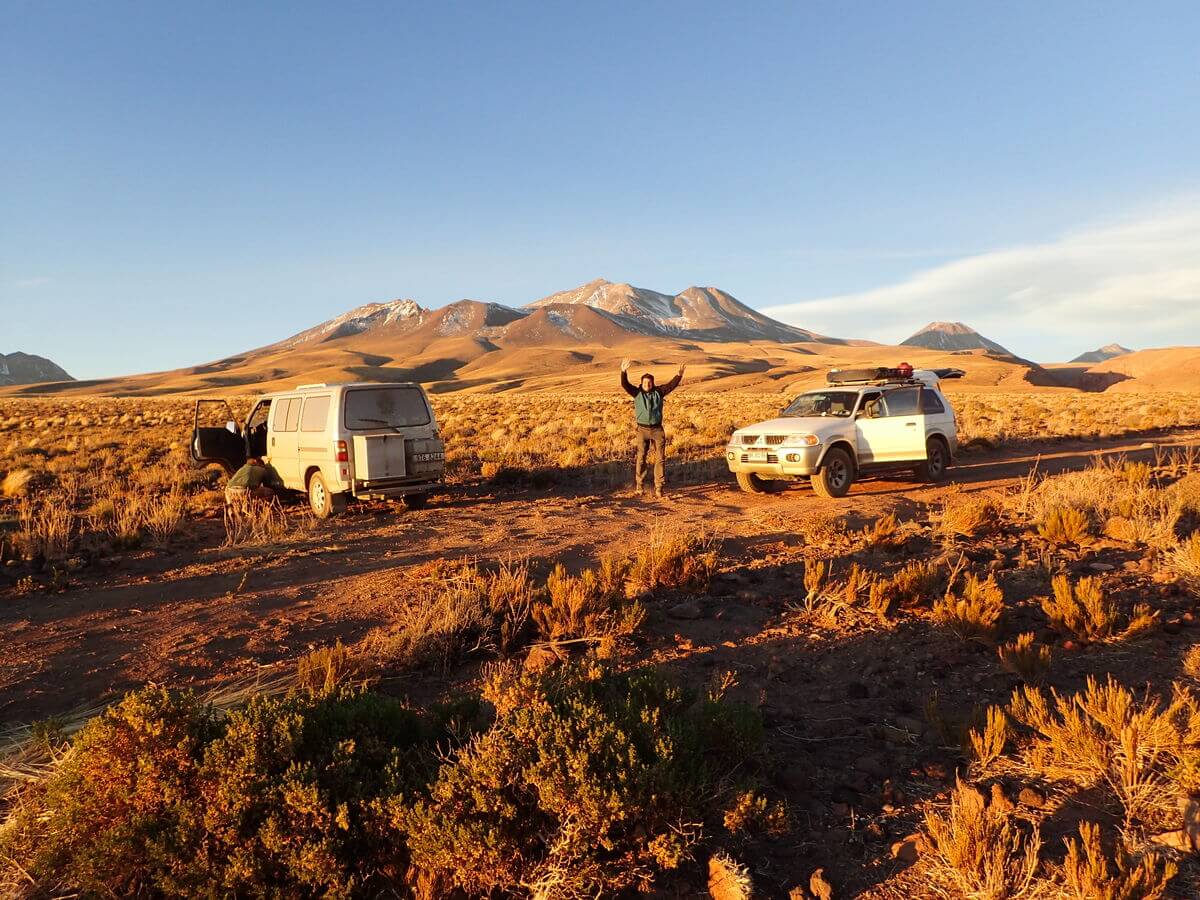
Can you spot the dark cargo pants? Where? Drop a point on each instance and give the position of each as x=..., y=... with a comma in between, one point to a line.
x=650, y=436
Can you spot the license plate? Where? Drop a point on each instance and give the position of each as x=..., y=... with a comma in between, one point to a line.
x=428, y=457
x=757, y=453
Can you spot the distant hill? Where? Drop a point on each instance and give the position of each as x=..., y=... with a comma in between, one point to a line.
x=1161, y=369
x=25, y=368
x=952, y=336
x=1108, y=351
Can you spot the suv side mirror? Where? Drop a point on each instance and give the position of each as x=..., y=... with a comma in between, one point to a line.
x=231, y=427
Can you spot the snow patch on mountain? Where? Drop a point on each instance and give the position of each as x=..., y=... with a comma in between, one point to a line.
x=360, y=319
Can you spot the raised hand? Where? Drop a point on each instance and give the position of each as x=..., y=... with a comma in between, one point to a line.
x=681, y=368
x=625, y=364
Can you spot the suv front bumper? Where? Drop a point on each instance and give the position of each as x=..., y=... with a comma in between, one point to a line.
x=775, y=462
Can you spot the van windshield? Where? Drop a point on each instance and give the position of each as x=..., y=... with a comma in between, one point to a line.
x=385, y=407
x=823, y=403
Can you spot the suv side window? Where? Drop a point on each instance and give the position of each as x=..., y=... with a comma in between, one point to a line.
x=903, y=401
x=870, y=406
x=931, y=404
x=316, y=414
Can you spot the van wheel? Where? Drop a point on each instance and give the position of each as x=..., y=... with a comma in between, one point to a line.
x=933, y=469
x=414, y=501
x=754, y=484
x=836, y=475
x=323, y=503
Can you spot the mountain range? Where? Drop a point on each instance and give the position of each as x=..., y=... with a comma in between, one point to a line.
x=1107, y=352
x=575, y=340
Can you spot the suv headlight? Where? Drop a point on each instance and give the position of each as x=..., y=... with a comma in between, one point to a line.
x=803, y=440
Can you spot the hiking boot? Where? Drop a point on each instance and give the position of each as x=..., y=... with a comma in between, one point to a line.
x=658, y=492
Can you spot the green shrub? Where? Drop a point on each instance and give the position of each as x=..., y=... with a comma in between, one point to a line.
x=581, y=785
x=119, y=813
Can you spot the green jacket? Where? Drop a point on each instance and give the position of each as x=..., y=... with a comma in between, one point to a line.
x=648, y=405
x=249, y=476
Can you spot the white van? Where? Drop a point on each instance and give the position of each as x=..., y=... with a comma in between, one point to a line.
x=332, y=441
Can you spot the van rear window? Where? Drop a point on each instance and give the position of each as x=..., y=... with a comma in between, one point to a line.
x=385, y=407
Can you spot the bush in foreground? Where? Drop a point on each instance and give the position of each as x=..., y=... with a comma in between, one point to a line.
x=588, y=783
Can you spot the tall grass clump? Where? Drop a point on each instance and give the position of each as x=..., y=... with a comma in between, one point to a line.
x=673, y=562
x=1088, y=873
x=589, y=606
x=1084, y=610
x=973, y=612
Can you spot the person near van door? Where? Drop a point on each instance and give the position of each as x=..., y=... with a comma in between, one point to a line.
x=648, y=412
x=255, y=479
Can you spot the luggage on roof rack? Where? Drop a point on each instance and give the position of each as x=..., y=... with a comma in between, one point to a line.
x=879, y=373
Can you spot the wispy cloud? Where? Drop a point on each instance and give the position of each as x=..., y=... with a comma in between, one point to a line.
x=24, y=283
x=1135, y=281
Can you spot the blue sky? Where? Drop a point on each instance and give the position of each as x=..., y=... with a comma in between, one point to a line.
x=183, y=181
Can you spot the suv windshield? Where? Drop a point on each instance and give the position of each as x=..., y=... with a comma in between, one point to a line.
x=385, y=407
x=823, y=403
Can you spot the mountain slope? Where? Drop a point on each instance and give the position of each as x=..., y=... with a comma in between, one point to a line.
x=25, y=368
x=1108, y=351
x=952, y=336
x=700, y=313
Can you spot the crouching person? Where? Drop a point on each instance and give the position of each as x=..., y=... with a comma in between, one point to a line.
x=255, y=479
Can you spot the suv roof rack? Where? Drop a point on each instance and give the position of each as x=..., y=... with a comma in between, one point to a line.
x=883, y=376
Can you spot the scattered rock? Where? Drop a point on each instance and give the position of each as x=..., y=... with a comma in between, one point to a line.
x=540, y=658
x=1101, y=566
x=688, y=609
x=1031, y=797
x=873, y=764
x=1176, y=840
x=1172, y=626
x=819, y=885
x=728, y=879
x=907, y=851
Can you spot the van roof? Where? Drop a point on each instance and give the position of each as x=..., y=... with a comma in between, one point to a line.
x=341, y=385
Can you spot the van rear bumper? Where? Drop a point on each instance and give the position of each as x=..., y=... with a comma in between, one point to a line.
x=392, y=488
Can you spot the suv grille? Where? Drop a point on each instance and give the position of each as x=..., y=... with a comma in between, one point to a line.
x=776, y=439
x=771, y=458
x=749, y=438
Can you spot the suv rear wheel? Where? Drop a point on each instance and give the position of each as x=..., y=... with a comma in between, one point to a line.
x=937, y=457
x=836, y=474
x=414, y=501
x=754, y=484
x=323, y=503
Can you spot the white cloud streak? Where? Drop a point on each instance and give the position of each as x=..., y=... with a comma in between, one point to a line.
x=1136, y=282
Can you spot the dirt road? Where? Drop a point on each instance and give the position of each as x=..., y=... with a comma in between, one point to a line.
x=197, y=614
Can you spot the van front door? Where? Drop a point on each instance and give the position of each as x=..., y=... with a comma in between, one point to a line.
x=216, y=437
x=896, y=432
x=283, y=444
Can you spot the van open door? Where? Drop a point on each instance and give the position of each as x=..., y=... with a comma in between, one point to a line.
x=212, y=442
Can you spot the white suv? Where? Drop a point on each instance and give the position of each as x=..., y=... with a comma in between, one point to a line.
x=865, y=420
x=332, y=441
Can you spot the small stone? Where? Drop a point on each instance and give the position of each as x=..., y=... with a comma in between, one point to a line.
x=819, y=885
x=908, y=850
x=688, y=609
x=540, y=658
x=1172, y=626
x=1073, y=645
x=1101, y=566
x=1176, y=840
x=1031, y=797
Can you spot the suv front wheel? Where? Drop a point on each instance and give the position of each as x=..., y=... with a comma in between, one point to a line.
x=937, y=457
x=323, y=503
x=836, y=474
x=753, y=484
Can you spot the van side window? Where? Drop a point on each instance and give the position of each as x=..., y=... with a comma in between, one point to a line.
x=316, y=414
x=279, y=412
x=903, y=401
x=931, y=405
x=287, y=414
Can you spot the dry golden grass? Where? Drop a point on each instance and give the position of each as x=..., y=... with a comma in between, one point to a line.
x=1084, y=610
x=1088, y=873
x=973, y=612
x=1025, y=658
x=977, y=851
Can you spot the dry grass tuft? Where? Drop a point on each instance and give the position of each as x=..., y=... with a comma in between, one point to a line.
x=589, y=606
x=977, y=851
x=673, y=562
x=975, y=613
x=884, y=532
x=1102, y=736
x=1183, y=561
x=1024, y=658
x=327, y=670
x=967, y=516
x=988, y=745
x=16, y=483
x=253, y=521
x=1085, y=611
x=1065, y=525
x=1089, y=874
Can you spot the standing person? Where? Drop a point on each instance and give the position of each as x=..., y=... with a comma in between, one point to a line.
x=648, y=411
